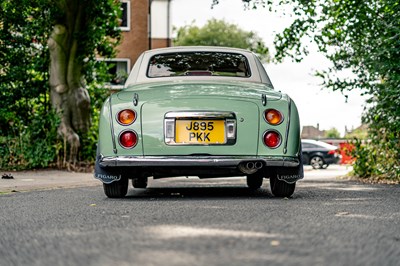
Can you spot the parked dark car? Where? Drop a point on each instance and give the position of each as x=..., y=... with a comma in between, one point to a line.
x=319, y=154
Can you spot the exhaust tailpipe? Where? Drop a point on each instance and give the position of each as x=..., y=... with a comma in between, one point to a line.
x=250, y=165
x=258, y=165
x=249, y=168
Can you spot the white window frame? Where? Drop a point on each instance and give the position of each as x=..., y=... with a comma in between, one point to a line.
x=128, y=15
x=128, y=70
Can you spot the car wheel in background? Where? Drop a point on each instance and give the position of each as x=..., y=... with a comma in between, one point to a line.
x=116, y=189
x=139, y=182
x=254, y=181
x=317, y=162
x=280, y=188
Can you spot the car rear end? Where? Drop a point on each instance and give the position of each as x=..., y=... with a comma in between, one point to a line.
x=332, y=156
x=206, y=114
x=171, y=133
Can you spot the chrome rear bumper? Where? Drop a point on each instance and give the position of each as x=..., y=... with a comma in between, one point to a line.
x=197, y=161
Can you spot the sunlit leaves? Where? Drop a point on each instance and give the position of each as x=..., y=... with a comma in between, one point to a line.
x=361, y=37
x=221, y=33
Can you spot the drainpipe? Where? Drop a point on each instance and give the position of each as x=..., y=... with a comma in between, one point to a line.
x=149, y=23
x=168, y=23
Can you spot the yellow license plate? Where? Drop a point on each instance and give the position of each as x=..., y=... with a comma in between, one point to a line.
x=200, y=131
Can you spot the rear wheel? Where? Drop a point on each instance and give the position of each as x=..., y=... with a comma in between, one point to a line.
x=139, y=182
x=317, y=162
x=280, y=188
x=116, y=189
x=254, y=181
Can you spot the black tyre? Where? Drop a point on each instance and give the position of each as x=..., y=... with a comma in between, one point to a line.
x=116, y=189
x=317, y=162
x=280, y=188
x=254, y=181
x=139, y=182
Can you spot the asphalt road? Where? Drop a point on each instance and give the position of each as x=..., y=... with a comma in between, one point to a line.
x=205, y=222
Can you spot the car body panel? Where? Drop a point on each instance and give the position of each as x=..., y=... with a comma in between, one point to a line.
x=157, y=100
x=153, y=135
x=244, y=109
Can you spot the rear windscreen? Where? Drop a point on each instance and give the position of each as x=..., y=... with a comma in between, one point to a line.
x=198, y=64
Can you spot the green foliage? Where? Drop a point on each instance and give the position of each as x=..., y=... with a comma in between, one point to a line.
x=221, y=33
x=31, y=144
x=23, y=61
x=360, y=133
x=365, y=159
x=28, y=126
x=98, y=94
x=376, y=161
x=89, y=139
x=362, y=38
x=332, y=133
x=99, y=34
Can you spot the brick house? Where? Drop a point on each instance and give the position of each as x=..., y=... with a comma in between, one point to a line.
x=311, y=132
x=145, y=25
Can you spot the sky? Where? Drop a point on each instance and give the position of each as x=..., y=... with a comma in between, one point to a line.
x=317, y=106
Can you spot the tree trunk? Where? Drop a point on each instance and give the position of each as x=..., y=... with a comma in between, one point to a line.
x=69, y=96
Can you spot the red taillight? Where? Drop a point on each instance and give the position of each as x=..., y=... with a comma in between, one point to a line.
x=128, y=139
x=126, y=117
x=332, y=152
x=273, y=117
x=272, y=139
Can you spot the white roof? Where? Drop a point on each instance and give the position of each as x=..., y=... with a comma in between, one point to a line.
x=320, y=143
x=139, y=71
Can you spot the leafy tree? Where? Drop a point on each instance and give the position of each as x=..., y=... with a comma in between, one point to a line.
x=64, y=37
x=26, y=120
x=332, y=133
x=361, y=37
x=360, y=133
x=23, y=61
x=221, y=33
x=79, y=31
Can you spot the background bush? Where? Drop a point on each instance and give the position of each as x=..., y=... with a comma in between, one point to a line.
x=34, y=143
x=28, y=125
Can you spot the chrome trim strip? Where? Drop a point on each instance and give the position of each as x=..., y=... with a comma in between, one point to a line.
x=112, y=128
x=287, y=125
x=200, y=115
x=204, y=161
x=228, y=117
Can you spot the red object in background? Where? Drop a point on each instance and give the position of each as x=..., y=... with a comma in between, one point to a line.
x=345, y=149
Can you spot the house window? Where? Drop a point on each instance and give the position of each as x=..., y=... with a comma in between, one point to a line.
x=118, y=68
x=126, y=15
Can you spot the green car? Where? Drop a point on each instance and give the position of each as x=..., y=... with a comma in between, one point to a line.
x=199, y=111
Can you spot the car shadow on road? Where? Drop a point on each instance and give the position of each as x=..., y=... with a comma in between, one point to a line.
x=307, y=189
x=220, y=192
